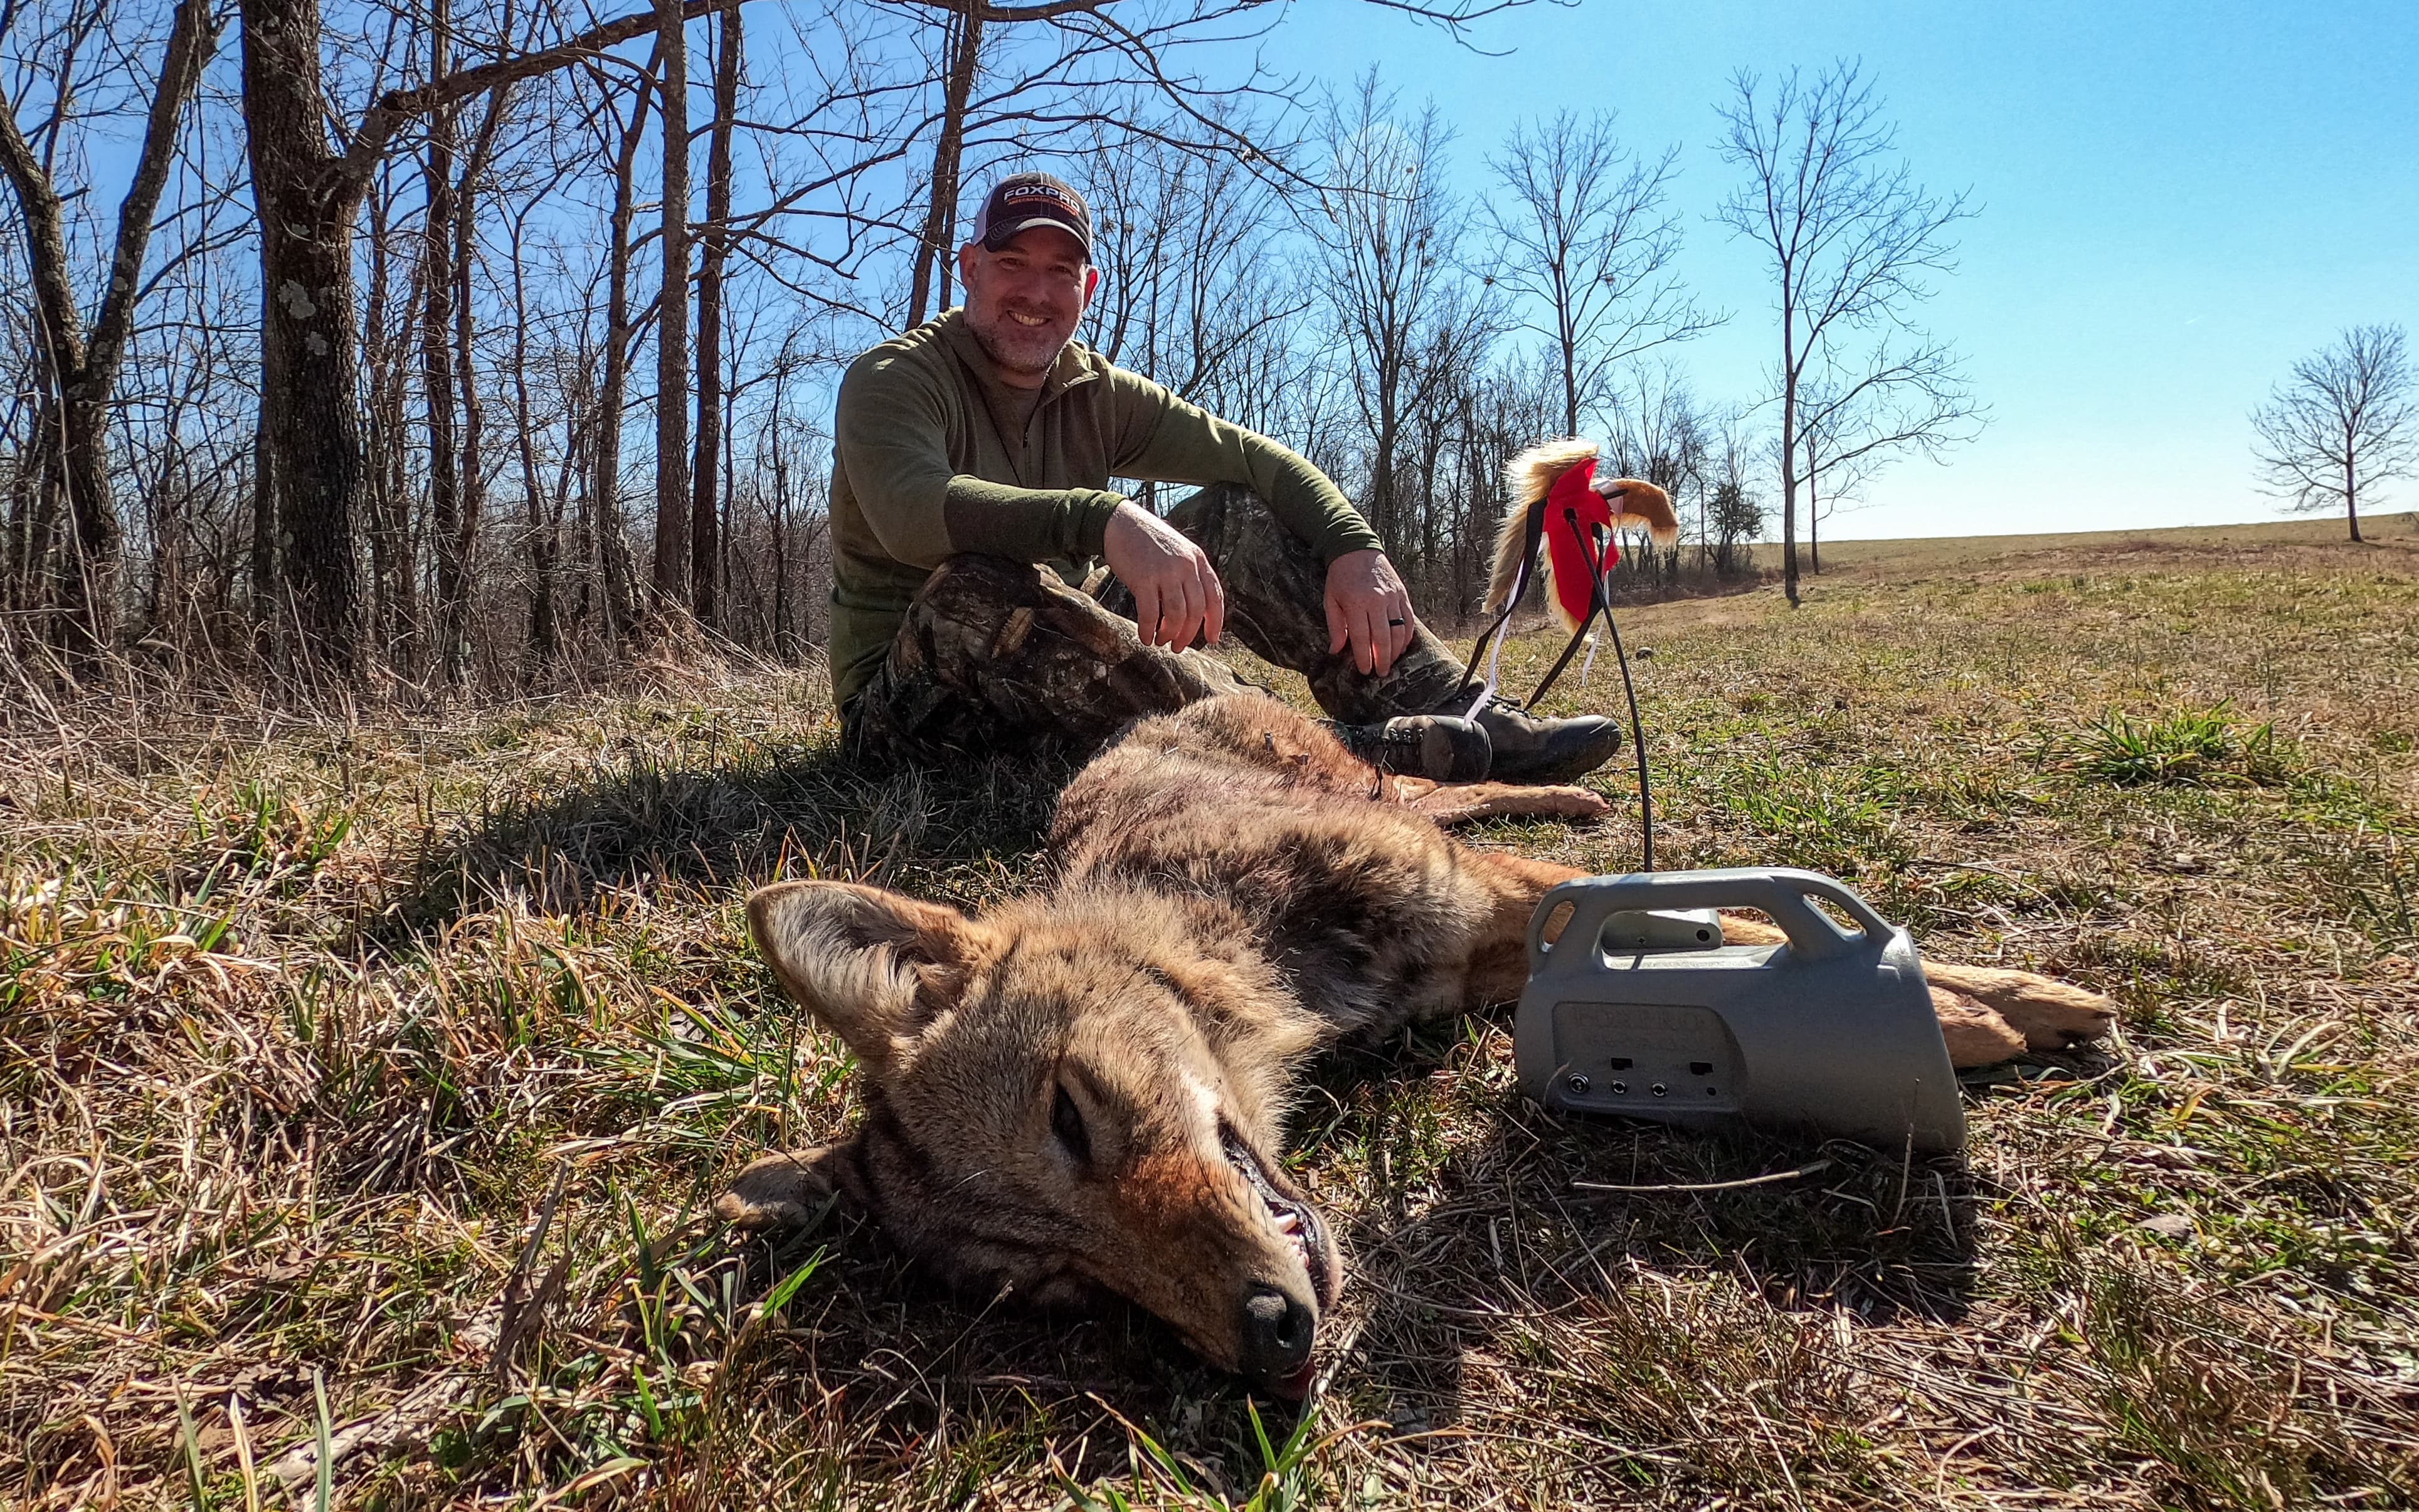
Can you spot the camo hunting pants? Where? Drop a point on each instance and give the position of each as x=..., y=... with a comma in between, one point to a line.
x=1002, y=657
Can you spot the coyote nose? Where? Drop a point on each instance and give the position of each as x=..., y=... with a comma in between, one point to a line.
x=1277, y=1334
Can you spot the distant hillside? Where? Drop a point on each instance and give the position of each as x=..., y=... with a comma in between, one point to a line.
x=2395, y=535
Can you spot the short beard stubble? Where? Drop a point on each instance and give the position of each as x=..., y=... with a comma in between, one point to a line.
x=1015, y=348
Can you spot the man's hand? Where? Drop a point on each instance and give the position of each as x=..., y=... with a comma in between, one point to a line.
x=1176, y=592
x=1368, y=605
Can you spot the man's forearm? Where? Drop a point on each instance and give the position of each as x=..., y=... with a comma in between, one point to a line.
x=1187, y=444
x=1027, y=524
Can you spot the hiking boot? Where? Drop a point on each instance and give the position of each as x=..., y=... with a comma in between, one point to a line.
x=1531, y=749
x=1439, y=747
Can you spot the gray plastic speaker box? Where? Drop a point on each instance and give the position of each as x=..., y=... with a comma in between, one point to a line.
x=1641, y=1010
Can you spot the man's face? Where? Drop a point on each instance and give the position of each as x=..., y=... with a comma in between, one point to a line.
x=1025, y=300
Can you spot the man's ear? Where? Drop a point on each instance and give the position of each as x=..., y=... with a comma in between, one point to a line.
x=1091, y=282
x=875, y=967
x=966, y=266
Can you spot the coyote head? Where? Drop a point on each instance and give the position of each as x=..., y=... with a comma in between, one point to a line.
x=1066, y=1095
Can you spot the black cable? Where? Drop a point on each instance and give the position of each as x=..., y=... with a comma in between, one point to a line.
x=1630, y=689
x=1638, y=738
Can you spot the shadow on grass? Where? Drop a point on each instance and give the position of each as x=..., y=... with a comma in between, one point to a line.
x=1489, y=1273
x=733, y=820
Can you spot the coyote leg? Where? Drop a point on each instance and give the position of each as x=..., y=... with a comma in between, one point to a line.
x=2049, y=1014
x=1974, y=1034
x=1499, y=955
x=1502, y=800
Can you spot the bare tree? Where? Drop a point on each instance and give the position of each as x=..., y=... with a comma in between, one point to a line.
x=1731, y=515
x=308, y=192
x=1587, y=240
x=2346, y=422
x=1194, y=289
x=1857, y=416
x=705, y=535
x=1850, y=233
x=407, y=236
x=616, y=578
x=962, y=40
x=673, y=501
x=1387, y=233
x=1661, y=435
x=78, y=363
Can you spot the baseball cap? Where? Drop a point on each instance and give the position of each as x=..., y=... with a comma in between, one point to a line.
x=1024, y=200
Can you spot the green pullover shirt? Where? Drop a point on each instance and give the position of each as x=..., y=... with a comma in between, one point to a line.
x=934, y=456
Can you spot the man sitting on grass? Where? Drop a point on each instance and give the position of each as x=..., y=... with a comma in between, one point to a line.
x=970, y=497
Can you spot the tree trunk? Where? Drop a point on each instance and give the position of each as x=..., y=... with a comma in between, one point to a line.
x=439, y=292
x=1567, y=340
x=463, y=261
x=310, y=420
x=705, y=535
x=941, y=218
x=780, y=528
x=384, y=438
x=612, y=538
x=2351, y=492
x=306, y=198
x=262, y=568
x=673, y=501
x=1788, y=449
x=543, y=538
x=1383, y=514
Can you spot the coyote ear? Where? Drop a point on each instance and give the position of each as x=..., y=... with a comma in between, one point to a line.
x=874, y=966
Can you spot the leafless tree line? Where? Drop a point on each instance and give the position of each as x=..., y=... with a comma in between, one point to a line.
x=329, y=324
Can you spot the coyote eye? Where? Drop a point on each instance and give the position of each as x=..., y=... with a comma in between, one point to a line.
x=1067, y=1122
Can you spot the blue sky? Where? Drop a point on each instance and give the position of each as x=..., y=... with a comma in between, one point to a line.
x=2177, y=201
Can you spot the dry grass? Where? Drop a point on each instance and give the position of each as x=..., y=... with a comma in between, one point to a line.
x=362, y=1083
x=2268, y=542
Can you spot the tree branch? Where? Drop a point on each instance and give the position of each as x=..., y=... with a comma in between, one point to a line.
x=397, y=107
x=191, y=39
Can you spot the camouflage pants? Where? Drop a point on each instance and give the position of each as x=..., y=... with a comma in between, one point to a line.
x=1002, y=657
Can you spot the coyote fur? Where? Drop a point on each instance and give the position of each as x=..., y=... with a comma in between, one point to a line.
x=1085, y=1089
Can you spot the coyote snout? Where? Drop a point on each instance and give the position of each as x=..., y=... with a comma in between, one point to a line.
x=1054, y=1107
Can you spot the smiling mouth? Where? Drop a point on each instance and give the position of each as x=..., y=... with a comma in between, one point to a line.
x=1032, y=322
x=1294, y=1218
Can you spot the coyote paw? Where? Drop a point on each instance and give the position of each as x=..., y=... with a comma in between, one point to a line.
x=2049, y=1014
x=779, y=1191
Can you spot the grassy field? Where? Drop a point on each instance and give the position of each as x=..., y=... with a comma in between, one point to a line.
x=364, y=1082
x=2270, y=540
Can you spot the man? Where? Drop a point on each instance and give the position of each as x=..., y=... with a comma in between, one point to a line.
x=969, y=496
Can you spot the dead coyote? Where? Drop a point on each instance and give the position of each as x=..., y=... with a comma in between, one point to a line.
x=1085, y=1090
